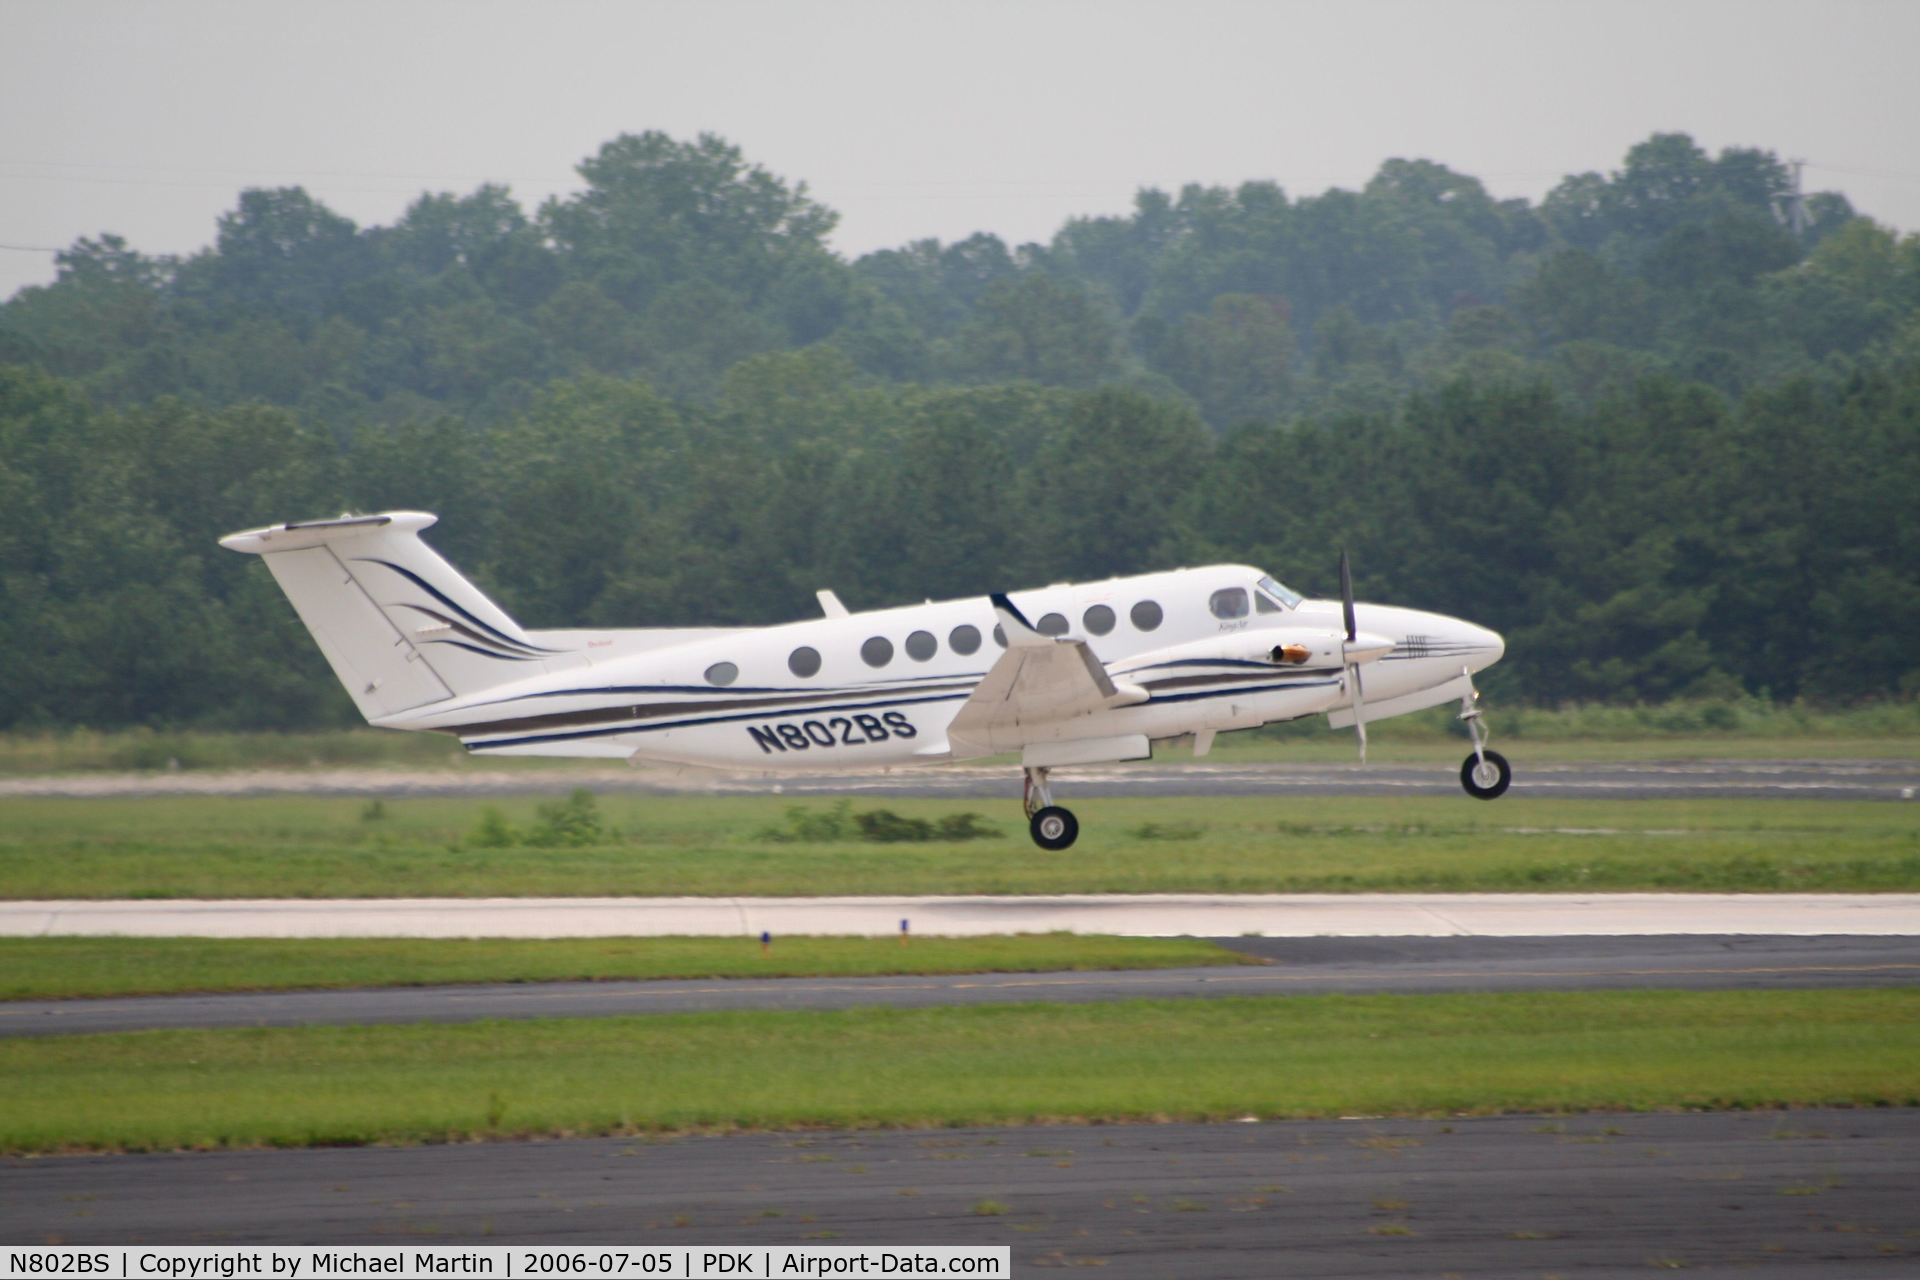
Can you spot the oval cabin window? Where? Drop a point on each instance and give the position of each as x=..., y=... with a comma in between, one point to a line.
x=1146, y=615
x=1229, y=602
x=722, y=673
x=1098, y=620
x=804, y=661
x=877, y=651
x=921, y=645
x=964, y=640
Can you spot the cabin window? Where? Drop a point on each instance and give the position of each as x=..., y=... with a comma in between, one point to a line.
x=964, y=640
x=921, y=645
x=1098, y=620
x=877, y=651
x=1284, y=594
x=1229, y=602
x=1053, y=624
x=1146, y=615
x=722, y=673
x=1000, y=635
x=804, y=661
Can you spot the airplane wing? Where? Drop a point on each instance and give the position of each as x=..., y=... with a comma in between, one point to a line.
x=1039, y=681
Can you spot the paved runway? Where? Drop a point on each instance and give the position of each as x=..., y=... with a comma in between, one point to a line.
x=1136, y=915
x=1767, y=1194
x=1174, y=772
x=1295, y=966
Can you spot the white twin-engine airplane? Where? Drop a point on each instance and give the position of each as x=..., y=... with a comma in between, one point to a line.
x=1065, y=675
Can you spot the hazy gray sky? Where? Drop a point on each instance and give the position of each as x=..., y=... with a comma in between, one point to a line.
x=913, y=118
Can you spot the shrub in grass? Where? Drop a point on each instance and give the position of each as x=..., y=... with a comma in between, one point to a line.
x=1166, y=831
x=574, y=821
x=882, y=826
x=494, y=831
x=806, y=826
x=886, y=827
x=966, y=826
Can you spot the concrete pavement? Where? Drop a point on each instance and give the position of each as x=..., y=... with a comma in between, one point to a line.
x=1135, y=915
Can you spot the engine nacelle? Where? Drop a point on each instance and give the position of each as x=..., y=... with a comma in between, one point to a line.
x=1276, y=646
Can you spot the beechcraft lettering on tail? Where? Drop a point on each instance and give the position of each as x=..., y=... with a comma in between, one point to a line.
x=1062, y=675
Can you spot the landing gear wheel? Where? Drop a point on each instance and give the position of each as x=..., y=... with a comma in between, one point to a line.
x=1054, y=828
x=1486, y=776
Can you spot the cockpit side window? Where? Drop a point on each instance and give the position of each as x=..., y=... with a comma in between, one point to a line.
x=1280, y=592
x=1229, y=602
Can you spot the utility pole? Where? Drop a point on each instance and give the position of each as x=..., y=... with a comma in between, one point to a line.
x=1790, y=209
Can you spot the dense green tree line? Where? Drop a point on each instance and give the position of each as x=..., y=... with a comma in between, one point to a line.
x=678, y=260
x=1666, y=444
x=1662, y=542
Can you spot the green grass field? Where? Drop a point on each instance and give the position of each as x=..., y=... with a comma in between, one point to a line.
x=1009, y=1064
x=60, y=968
x=1726, y=728
x=991, y=1065
x=296, y=846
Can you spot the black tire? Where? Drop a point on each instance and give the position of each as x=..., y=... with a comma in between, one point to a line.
x=1486, y=784
x=1054, y=828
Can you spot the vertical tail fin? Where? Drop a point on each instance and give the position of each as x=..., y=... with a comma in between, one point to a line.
x=400, y=626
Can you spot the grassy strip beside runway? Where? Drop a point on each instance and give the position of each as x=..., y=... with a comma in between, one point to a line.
x=57, y=968
x=992, y=1065
x=307, y=846
x=1730, y=728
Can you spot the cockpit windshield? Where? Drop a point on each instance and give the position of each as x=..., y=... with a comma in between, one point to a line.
x=1277, y=593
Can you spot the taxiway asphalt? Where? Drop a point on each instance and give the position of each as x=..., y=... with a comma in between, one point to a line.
x=1292, y=966
x=1776, y=1195
x=1174, y=773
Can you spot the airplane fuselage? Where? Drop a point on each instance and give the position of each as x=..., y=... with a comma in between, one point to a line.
x=1191, y=650
x=1067, y=674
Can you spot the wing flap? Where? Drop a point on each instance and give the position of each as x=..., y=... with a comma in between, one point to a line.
x=1039, y=680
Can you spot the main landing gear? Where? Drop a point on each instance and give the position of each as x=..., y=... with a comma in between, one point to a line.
x=1485, y=775
x=1052, y=826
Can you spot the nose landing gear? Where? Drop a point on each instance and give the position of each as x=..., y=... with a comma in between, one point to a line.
x=1051, y=826
x=1484, y=775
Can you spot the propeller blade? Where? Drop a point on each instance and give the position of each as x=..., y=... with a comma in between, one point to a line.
x=1359, y=713
x=1346, y=595
x=1354, y=693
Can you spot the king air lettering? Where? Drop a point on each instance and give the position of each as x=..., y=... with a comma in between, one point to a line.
x=840, y=731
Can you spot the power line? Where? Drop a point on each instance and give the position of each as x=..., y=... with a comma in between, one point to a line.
x=1894, y=174
x=168, y=176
